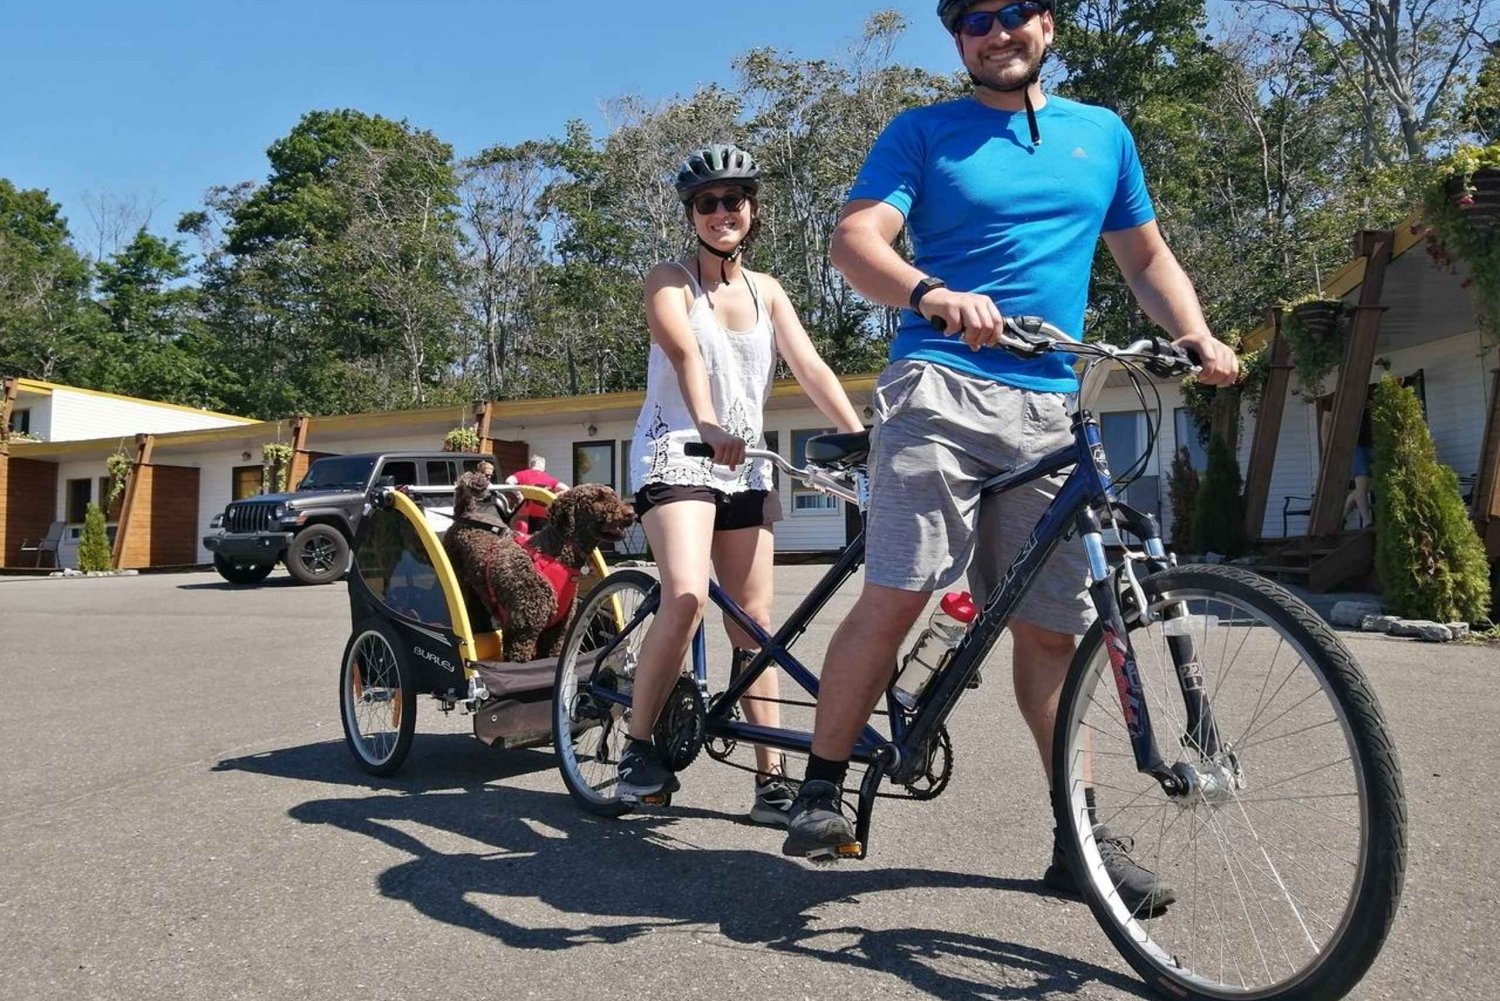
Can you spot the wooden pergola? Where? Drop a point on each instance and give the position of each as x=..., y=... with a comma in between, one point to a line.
x=1395, y=297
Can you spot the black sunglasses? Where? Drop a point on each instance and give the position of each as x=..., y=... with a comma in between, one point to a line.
x=979, y=23
x=708, y=204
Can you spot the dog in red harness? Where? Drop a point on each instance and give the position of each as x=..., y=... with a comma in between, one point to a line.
x=529, y=585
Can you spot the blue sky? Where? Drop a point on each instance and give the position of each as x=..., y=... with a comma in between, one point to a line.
x=160, y=100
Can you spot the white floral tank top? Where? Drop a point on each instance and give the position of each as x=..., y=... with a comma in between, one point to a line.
x=740, y=366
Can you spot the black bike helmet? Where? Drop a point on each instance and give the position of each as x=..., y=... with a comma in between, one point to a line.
x=720, y=163
x=949, y=11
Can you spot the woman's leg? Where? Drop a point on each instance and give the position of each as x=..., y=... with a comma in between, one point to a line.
x=1362, y=500
x=680, y=534
x=743, y=564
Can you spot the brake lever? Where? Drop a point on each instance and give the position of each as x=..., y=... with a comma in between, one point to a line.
x=1167, y=357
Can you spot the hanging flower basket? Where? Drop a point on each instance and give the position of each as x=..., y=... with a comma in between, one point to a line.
x=461, y=439
x=1314, y=330
x=1461, y=209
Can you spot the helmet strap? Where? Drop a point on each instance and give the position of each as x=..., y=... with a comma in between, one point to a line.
x=725, y=256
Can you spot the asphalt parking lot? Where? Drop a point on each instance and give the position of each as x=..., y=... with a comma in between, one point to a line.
x=182, y=820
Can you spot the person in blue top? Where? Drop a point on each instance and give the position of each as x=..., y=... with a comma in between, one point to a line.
x=1004, y=195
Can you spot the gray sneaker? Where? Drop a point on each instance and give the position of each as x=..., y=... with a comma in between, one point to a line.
x=817, y=828
x=1141, y=890
x=773, y=802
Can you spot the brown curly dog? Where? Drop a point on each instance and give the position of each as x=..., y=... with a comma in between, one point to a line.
x=529, y=589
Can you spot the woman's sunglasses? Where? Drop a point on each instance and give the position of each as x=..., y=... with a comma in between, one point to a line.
x=708, y=204
x=979, y=23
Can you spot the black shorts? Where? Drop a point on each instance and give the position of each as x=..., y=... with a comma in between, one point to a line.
x=742, y=509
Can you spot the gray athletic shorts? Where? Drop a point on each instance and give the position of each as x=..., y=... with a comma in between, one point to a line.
x=938, y=434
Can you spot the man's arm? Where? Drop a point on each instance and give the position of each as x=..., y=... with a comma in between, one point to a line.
x=862, y=251
x=1166, y=294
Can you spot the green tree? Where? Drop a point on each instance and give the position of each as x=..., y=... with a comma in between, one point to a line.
x=1219, y=521
x=45, y=317
x=93, y=543
x=1427, y=553
x=155, y=344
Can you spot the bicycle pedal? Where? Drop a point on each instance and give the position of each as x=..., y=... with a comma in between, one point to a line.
x=656, y=799
x=835, y=853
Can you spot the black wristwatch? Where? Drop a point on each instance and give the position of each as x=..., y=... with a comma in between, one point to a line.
x=922, y=288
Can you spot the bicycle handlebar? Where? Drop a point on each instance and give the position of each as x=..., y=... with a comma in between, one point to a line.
x=813, y=476
x=1032, y=337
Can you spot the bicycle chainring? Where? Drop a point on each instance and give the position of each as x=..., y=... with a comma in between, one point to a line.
x=933, y=778
x=679, y=730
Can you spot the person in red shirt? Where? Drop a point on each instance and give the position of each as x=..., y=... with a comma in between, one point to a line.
x=532, y=515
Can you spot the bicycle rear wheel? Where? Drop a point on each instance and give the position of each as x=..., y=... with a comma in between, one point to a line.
x=588, y=729
x=1286, y=857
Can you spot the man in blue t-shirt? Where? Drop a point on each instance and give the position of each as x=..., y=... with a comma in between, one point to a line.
x=1000, y=223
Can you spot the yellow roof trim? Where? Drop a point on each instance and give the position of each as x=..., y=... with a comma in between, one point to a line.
x=37, y=385
x=514, y=410
x=1346, y=279
x=170, y=439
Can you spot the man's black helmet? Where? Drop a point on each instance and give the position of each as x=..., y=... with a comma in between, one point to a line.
x=720, y=163
x=949, y=11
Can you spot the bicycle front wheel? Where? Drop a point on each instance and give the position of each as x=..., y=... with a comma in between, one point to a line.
x=589, y=727
x=1286, y=856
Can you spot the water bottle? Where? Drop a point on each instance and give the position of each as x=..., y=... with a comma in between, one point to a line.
x=934, y=645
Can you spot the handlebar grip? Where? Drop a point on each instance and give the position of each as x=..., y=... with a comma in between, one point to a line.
x=697, y=450
x=938, y=323
x=1193, y=356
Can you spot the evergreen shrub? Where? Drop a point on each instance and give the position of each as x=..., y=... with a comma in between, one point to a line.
x=1219, y=521
x=1427, y=552
x=93, y=543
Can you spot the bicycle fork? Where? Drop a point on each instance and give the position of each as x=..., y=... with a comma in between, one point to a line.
x=1201, y=735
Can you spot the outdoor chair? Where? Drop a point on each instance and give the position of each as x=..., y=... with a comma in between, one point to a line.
x=46, y=544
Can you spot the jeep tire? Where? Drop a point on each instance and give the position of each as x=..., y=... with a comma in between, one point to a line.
x=239, y=572
x=319, y=554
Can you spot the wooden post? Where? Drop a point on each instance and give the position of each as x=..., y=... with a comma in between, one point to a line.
x=1352, y=387
x=1267, y=430
x=8, y=405
x=134, y=527
x=301, y=428
x=482, y=410
x=1484, y=508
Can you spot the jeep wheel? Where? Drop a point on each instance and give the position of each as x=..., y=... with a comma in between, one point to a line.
x=318, y=555
x=242, y=573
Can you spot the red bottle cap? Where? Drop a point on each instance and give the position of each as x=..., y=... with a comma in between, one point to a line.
x=960, y=605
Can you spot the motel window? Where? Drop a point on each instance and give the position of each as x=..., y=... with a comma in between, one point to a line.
x=594, y=462
x=805, y=498
x=246, y=481
x=20, y=421
x=1187, y=435
x=80, y=493
x=625, y=490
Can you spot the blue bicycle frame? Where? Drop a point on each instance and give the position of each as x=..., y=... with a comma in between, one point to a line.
x=912, y=727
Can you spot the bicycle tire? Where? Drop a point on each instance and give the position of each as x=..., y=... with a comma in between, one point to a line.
x=377, y=698
x=1374, y=887
x=589, y=735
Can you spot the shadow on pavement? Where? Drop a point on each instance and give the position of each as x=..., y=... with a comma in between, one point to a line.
x=629, y=877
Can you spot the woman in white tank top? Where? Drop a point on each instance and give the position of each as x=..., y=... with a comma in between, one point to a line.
x=716, y=331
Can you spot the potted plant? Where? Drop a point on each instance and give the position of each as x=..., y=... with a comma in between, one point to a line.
x=461, y=439
x=1461, y=208
x=1313, y=328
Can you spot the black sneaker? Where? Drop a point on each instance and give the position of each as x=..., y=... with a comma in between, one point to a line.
x=1139, y=889
x=817, y=827
x=642, y=774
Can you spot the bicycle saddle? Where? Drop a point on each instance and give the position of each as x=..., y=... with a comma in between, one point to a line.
x=839, y=449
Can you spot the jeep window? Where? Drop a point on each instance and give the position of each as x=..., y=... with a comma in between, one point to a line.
x=344, y=472
x=403, y=472
x=472, y=464
x=440, y=473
